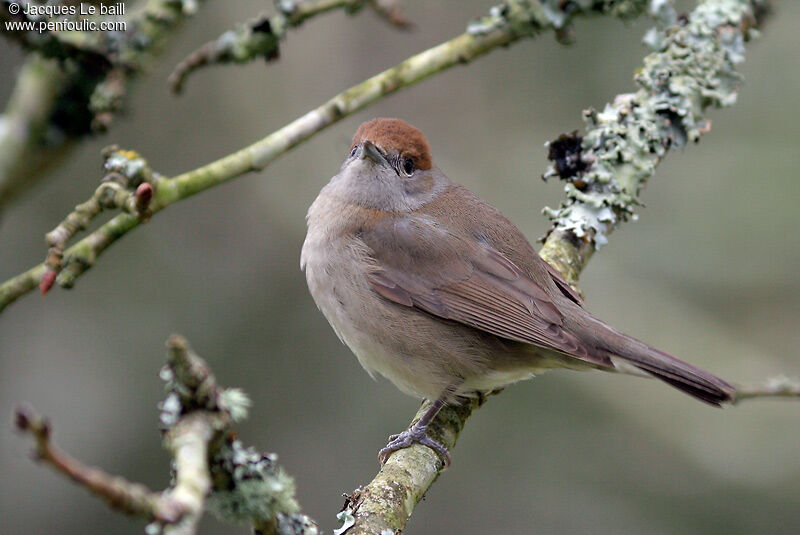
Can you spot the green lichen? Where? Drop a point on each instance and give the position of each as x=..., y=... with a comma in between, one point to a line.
x=249, y=487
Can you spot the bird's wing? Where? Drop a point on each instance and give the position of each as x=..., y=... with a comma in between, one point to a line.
x=416, y=263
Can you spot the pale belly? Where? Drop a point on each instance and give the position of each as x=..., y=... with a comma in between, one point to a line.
x=358, y=316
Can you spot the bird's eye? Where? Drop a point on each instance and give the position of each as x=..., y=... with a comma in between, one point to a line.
x=353, y=152
x=408, y=166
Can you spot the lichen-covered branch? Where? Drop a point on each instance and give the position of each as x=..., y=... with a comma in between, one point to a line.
x=508, y=23
x=97, y=62
x=692, y=70
x=211, y=470
x=387, y=502
x=188, y=442
x=128, y=186
x=73, y=82
x=260, y=37
x=246, y=487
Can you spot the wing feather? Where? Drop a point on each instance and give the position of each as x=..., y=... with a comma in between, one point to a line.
x=482, y=289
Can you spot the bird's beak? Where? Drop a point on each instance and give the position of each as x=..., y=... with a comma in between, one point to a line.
x=369, y=150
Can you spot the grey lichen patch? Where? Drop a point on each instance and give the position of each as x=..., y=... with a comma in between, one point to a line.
x=694, y=69
x=126, y=165
x=254, y=39
x=525, y=17
x=295, y=524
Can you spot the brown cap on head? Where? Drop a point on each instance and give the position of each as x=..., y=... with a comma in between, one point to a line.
x=398, y=135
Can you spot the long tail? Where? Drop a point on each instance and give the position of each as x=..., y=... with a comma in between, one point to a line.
x=681, y=375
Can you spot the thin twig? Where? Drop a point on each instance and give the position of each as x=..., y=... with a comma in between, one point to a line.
x=780, y=386
x=120, y=494
x=260, y=38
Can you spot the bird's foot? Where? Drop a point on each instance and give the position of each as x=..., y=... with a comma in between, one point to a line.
x=411, y=436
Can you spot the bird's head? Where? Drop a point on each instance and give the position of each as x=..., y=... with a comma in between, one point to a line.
x=389, y=167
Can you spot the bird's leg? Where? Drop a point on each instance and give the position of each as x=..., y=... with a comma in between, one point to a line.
x=416, y=433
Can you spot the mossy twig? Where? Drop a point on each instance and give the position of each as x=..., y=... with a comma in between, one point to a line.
x=260, y=38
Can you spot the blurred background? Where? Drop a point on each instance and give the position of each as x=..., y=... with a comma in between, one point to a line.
x=708, y=273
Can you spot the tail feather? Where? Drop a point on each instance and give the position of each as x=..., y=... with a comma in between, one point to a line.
x=685, y=377
x=697, y=383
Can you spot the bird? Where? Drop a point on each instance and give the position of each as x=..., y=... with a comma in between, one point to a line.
x=435, y=289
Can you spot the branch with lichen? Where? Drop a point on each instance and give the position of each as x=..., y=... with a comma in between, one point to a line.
x=97, y=64
x=73, y=83
x=260, y=38
x=505, y=24
x=128, y=186
x=212, y=471
x=692, y=70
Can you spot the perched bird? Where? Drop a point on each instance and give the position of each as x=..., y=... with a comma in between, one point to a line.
x=436, y=290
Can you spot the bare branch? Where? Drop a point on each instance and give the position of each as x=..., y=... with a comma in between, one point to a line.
x=121, y=495
x=260, y=37
x=780, y=386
